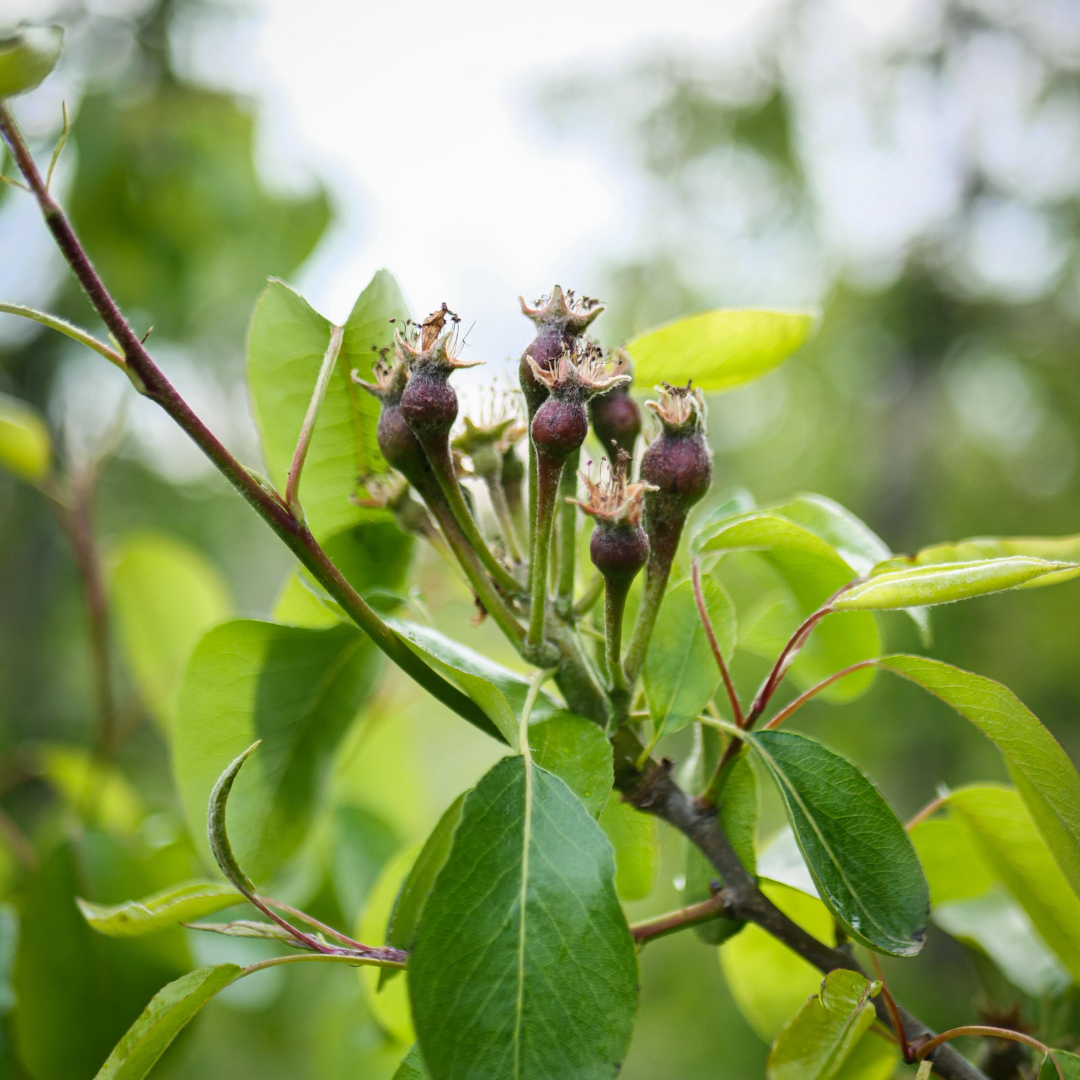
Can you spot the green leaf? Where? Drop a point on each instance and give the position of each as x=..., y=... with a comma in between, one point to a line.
x=165, y=595
x=812, y=570
x=1070, y=1066
x=96, y=790
x=1041, y=770
x=874, y=1057
x=169, y=1012
x=162, y=911
x=680, y=673
x=498, y=691
x=387, y=1000
x=28, y=57
x=286, y=345
x=1051, y=548
x=817, y=1041
x=295, y=689
x=413, y=1067
x=769, y=981
x=945, y=583
x=25, y=446
x=577, y=751
x=996, y=925
x=523, y=963
x=719, y=349
x=953, y=866
x=375, y=556
x=362, y=844
x=401, y=932
x=738, y=817
x=1012, y=846
x=853, y=540
x=861, y=859
x=216, y=827
x=634, y=837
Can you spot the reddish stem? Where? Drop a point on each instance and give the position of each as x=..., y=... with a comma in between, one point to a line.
x=806, y=695
x=733, y=698
x=984, y=1030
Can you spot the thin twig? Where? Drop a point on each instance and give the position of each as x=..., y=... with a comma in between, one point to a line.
x=296, y=913
x=59, y=145
x=679, y=920
x=64, y=327
x=806, y=695
x=894, y=1013
x=986, y=1031
x=292, y=483
x=718, y=656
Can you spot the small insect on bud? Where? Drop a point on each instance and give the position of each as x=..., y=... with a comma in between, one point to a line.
x=615, y=416
x=560, y=320
x=429, y=403
x=678, y=463
x=561, y=423
x=619, y=546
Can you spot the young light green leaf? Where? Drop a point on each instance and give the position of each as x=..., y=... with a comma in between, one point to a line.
x=412, y=1067
x=1051, y=548
x=812, y=571
x=995, y=924
x=719, y=349
x=945, y=583
x=1070, y=1066
x=953, y=866
x=577, y=751
x=74, y=773
x=680, y=673
x=215, y=824
x=362, y=844
x=1012, y=846
x=286, y=345
x=1041, y=770
x=815, y=1044
x=861, y=859
x=499, y=692
x=28, y=57
x=251, y=928
x=296, y=689
x=162, y=911
x=165, y=595
x=168, y=1013
x=25, y=446
x=526, y=892
x=854, y=541
x=635, y=840
x=769, y=981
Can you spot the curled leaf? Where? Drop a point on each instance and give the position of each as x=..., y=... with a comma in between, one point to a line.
x=215, y=825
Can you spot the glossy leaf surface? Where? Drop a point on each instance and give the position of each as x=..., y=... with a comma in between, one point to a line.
x=680, y=673
x=1041, y=770
x=412, y=1067
x=861, y=859
x=295, y=689
x=719, y=349
x=165, y=595
x=1051, y=548
x=1070, y=1066
x=25, y=446
x=577, y=751
x=164, y=910
x=815, y=1044
x=523, y=937
x=1012, y=846
x=169, y=1012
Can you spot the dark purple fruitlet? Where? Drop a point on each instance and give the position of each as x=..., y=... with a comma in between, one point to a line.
x=615, y=416
x=397, y=442
x=560, y=320
x=619, y=546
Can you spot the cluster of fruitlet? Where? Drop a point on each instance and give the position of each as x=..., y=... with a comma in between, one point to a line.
x=567, y=383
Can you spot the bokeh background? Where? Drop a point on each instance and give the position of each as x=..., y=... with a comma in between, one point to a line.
x=911, y=167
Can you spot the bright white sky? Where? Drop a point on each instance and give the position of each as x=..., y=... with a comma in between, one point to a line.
x=419, y=113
